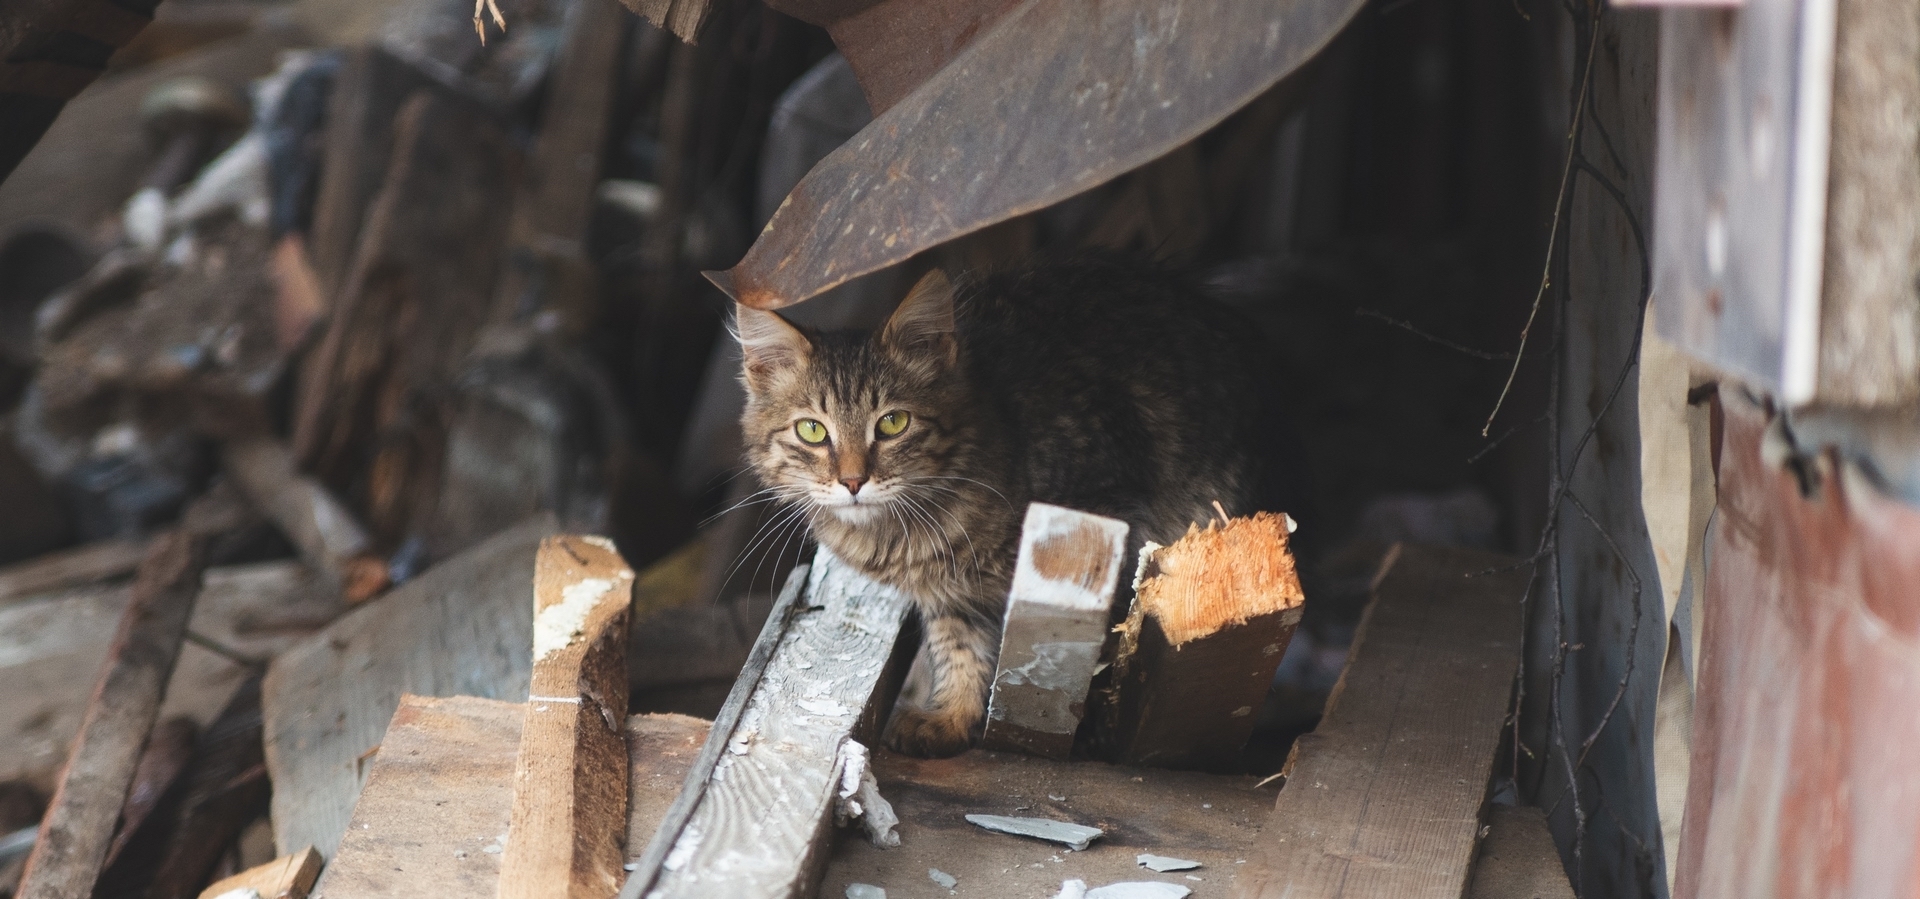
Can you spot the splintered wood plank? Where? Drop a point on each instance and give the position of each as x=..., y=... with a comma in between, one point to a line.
x=434, y=818
x=760, y=827
x=78, y=827
x=463, y=627
x=570, y=783
x=1056, y=624
x=1207, y=818
x=1384, y=797
x=1212, y=615
x=75, y=567
x=289, y=877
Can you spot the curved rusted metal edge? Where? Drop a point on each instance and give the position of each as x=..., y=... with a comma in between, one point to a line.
x=776, y=270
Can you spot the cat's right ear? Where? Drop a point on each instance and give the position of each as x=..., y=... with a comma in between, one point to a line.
x=923, y=325
x=770, y=346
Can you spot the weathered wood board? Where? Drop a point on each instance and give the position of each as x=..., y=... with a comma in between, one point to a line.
x=77, y=832
x=51, y=646
x=462, y=628
x=1517, y=859
x=1055, y=626
x=433, y=819
x=71, y=568
x=762, y=824
x=1384, y=798
x=1211, y=819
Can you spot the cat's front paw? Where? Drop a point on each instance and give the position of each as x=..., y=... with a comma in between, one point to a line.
x=935, y=734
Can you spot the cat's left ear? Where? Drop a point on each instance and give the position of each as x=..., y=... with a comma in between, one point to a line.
x=923, y=325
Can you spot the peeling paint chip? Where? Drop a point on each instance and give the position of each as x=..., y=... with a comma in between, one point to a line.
x=945, y=880
x=1139, y=889
x=1073, y=836
x=1164, y=863
x=865, y=891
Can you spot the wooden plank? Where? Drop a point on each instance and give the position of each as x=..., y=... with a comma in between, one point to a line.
x=70, y=568
x=355, y=151
x=290, y=877
x=463, y=627
x=436, y=810
x=1056, y=625
x=760, y=826
x=1211, y=618
x=407, y=315
x=51, y=646
x=78, y=827
x=547, y=239
x=1207, y=818
x=1384, y=797
x=1806, y=748
x=569, y=784
x=1518, y=860
x=318, y=525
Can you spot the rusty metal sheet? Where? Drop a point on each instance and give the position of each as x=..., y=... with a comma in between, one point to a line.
x=1806, y=734
x=1057, y=97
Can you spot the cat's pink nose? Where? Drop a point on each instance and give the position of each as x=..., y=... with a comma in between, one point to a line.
x=853, y=484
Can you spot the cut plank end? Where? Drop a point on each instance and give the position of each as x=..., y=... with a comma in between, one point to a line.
x=1219, y=577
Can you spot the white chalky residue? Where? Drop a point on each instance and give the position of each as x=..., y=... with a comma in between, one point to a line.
x=557, y=625
x=825, y=707
x=683, y=849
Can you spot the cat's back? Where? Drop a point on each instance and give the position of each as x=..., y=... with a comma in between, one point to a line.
x=1127, y=390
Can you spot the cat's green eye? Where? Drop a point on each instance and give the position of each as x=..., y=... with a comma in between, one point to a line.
x=892, y=423
x=811, y=431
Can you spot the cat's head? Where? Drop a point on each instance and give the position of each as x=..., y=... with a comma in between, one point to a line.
x=852, y=424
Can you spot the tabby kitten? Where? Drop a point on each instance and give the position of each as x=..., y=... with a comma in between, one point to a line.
x=914, y=451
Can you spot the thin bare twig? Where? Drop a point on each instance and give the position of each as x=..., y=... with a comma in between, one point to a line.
x=1553, y=231
x=1411, y=329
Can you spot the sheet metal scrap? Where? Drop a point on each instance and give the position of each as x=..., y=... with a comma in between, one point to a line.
x=1057, y=97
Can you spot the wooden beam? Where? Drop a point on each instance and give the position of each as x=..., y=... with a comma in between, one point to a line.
x=1212, y=615
x=832, y=668
x=289, y=877
x=462, y=627
x=318, y=525
x=452, y=760
x=1518, y=860
x=78, y=827
x=570, y=783
x=1056, y=625
x=75, y=567
x=1384, y=797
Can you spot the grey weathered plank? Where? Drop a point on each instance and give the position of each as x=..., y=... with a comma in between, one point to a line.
x=462, y=628
x=75, y=567
x=1384, y=797
x=1056, y=624
x=760, y=828
x=1517, y=859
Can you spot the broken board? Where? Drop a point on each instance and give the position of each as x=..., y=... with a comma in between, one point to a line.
x=434, y=816
x=759, y=824
x=1384, y=798
x=461, y=628
x=1211, y=819
x=1055, y=627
